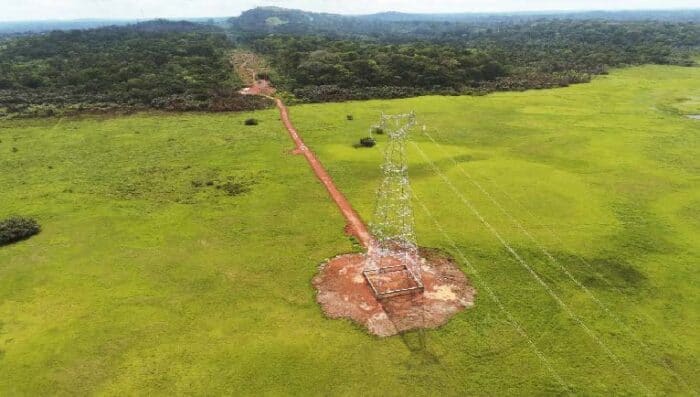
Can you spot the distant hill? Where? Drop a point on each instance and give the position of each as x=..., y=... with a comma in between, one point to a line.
x=690, y=15
x=46, y=26
x=81, y=24
x=283, y=20
x=276, y=18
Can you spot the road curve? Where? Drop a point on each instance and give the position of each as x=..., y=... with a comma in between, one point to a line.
x=355, y=225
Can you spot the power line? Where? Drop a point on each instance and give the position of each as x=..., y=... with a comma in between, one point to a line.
x=518, y=328
x=551, y=258
x=534, y=274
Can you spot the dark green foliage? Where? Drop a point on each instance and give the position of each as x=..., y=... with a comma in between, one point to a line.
x=349, y=117
x=251, y=122
x=17, y=228
x=183, y=66
x=378, y=130
x=324, y=57
x=159, y=64
x=324, y=69
x=367, y=142
x=333, y=93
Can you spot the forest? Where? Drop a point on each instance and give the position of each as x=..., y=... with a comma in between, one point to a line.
x=159, y=64
x=324, y=57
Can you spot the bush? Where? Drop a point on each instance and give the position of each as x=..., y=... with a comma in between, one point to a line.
x=367, y=142
x=234, y=188
x=377, y=130
x=349, y=117
x=251, y=122
x=17, y=228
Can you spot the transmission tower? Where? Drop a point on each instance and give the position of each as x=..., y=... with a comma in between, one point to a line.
x=393, y=265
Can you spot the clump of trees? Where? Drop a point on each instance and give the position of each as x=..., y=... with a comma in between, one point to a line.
x=17, y=228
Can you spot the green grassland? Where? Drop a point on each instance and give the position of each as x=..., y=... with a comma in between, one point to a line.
x=177, y=249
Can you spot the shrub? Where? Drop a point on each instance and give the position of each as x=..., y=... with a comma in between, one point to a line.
x=349, y=117
x=367, y=142
x=251, y=122
x=17, y=228
x=234, y=188
x=378, y=130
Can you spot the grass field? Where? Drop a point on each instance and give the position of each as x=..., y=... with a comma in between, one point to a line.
x=148, y=279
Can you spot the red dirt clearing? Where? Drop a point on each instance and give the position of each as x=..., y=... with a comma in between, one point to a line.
x=260, y=87
x=344, y=293
x=355, y=226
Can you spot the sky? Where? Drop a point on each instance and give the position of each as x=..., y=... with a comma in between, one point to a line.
x=24, y=10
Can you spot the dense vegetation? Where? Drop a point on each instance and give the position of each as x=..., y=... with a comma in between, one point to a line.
x=17, y=228
x=164, y=65
x=323, y=57
x=326, y=57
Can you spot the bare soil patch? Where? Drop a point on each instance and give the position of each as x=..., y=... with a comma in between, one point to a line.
x=259, y=87
x=343, y=292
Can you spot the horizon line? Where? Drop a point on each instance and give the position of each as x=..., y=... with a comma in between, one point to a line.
x=513, y=12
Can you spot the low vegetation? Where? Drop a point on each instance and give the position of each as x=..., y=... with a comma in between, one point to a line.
x=17, y=228
x=367, y=142
x=151, y=284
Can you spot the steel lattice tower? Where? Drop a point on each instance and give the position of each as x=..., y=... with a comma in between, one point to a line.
x=393, y=264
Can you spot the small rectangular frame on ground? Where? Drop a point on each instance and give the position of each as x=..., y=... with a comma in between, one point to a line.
x=417, y=285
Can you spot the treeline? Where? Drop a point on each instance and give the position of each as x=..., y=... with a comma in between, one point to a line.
x=325, y=57
x=312, y=61
x=158, y=64
x=458, y=58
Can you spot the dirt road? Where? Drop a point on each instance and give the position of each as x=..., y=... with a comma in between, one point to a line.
x=355, y=226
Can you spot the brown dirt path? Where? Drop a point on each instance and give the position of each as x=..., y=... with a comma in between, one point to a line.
x=355, y=225
x=247, y=65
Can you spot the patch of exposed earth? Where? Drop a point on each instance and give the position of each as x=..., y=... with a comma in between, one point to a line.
x=343, y=292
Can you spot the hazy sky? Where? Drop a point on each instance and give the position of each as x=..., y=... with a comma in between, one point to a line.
x=13, y=10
